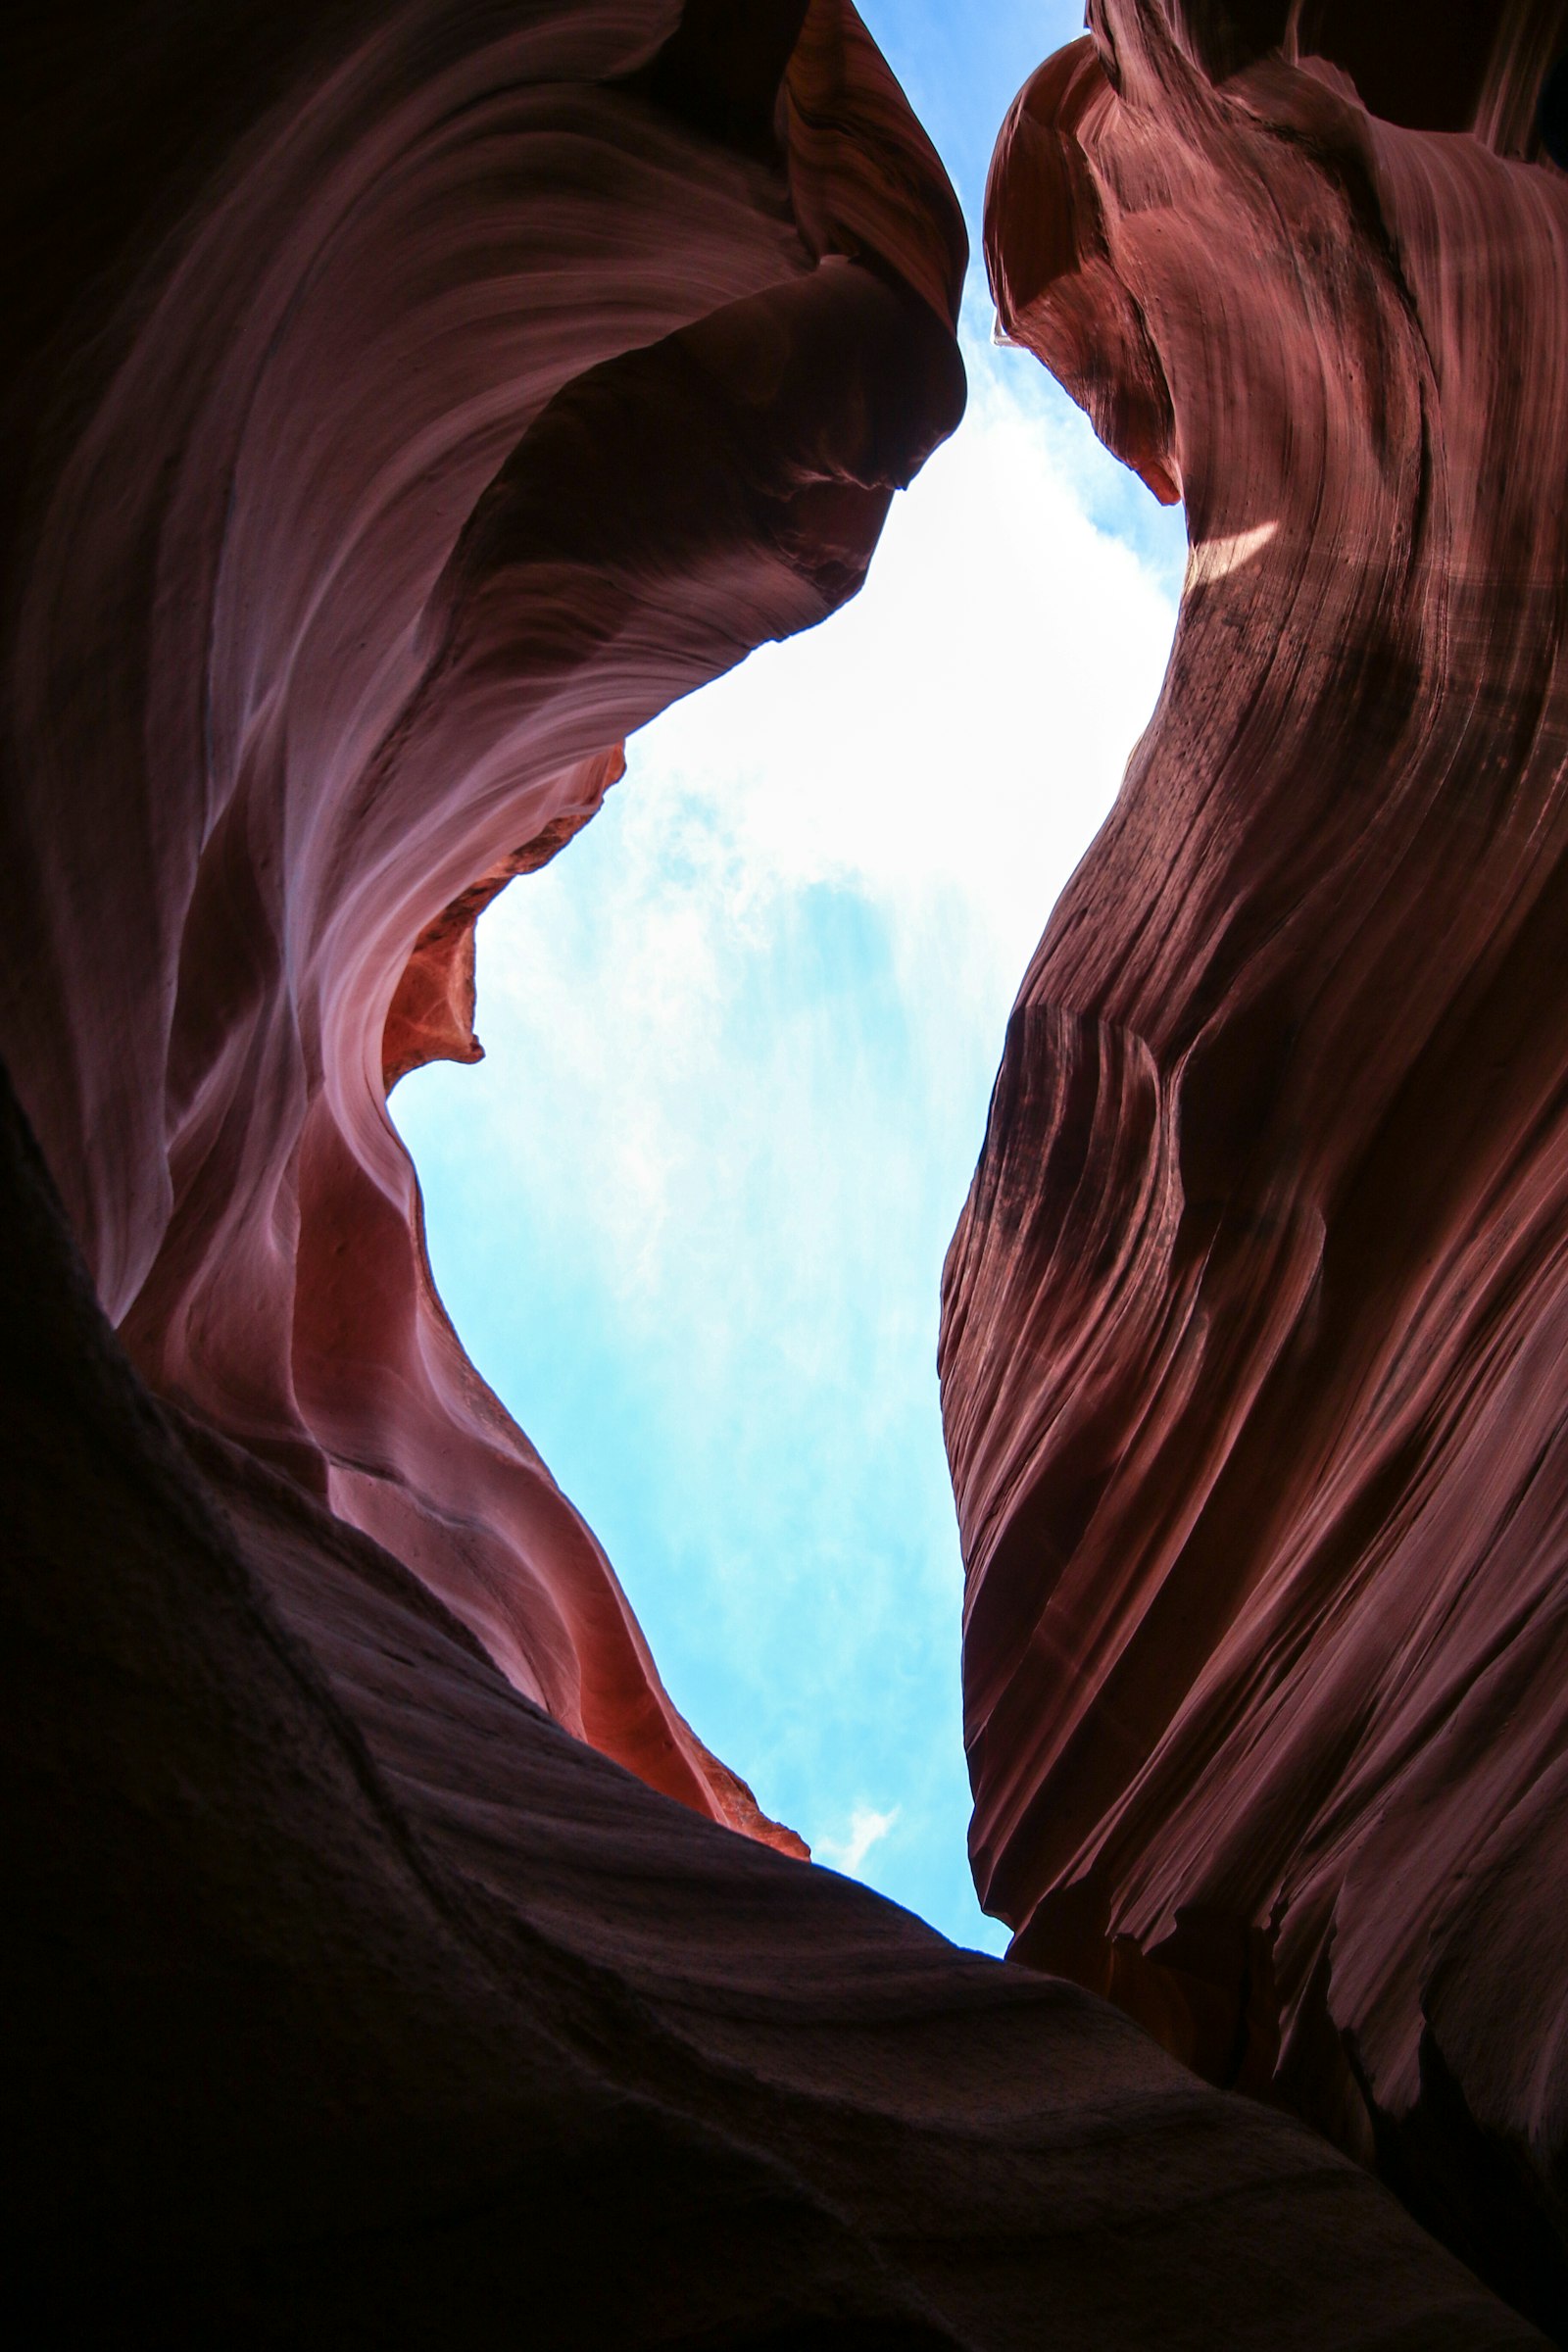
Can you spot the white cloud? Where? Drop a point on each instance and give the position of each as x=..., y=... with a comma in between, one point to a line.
x=867, y=1828
x=958, y=732
x=941, y=752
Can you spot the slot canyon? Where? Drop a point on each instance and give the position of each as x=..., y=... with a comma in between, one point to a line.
x=408, y=403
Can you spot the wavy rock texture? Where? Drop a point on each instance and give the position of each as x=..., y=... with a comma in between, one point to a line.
x=411, y=406
x=513, y=378
x=349, y=2000
x=1253, y=1323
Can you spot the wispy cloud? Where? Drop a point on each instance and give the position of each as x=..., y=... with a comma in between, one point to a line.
x=867, y=1828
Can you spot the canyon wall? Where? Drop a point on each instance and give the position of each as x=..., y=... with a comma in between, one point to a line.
x=407, y=404
x=1253, y=1324
x=519, y=370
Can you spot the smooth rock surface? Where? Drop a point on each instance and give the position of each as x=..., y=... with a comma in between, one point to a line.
x=1253, y=1323
x=513, y=371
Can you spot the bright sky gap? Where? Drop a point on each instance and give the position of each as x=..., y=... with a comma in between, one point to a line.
x=689, y=1215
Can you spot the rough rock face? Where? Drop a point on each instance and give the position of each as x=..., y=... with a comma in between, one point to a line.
x=409, y=405
x=1253, y=1324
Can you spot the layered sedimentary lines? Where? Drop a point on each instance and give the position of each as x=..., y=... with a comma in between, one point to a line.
x=514, y=371
x=1253, y=1323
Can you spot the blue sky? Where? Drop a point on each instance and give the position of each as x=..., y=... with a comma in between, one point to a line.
x=689, y=1215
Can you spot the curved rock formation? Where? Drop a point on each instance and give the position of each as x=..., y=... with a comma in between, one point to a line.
x=1252, y=1325
x=521, y=372
x=411, y=404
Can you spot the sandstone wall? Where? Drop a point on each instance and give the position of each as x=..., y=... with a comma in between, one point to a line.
x=1253, y=1325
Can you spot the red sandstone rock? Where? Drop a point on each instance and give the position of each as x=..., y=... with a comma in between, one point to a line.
x=349, y=2000
x=1252, y=1326
x=411, y=405
x=489, y=402
x=430, y=1017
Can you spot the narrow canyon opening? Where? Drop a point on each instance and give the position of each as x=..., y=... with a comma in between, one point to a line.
x=688, y=1214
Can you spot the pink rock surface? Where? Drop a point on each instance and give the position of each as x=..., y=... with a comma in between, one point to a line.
x=523, y=375
x=1253, y=1323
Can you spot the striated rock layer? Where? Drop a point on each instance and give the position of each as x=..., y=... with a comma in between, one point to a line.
x=1253, y=1324
x=518, y=371
x=410, y=403
x=349, y=2000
